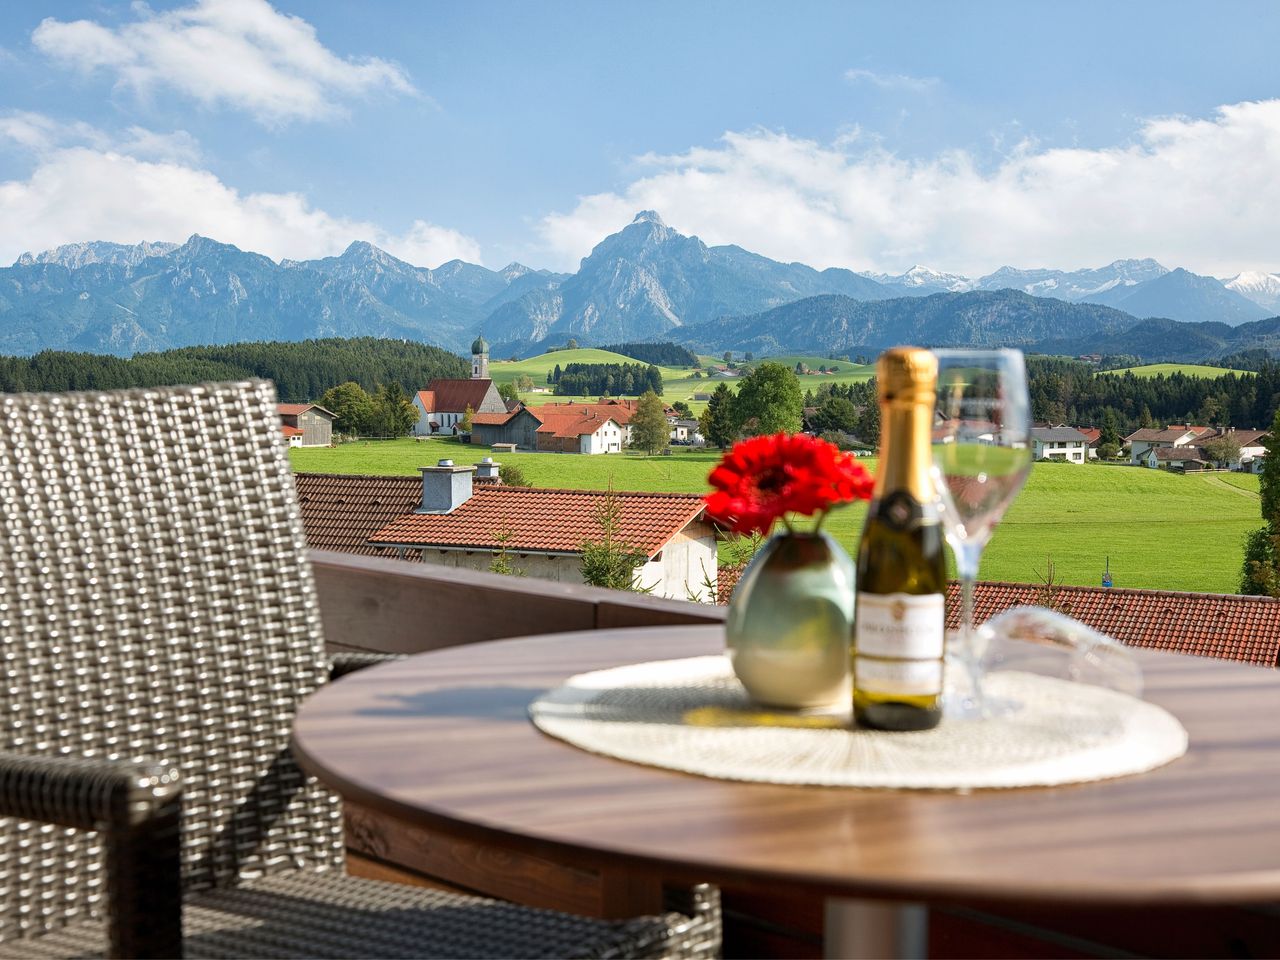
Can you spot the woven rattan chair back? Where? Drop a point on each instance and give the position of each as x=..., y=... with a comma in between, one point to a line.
x=156, y=604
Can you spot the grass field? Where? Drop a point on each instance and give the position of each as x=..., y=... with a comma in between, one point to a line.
x=679, y=383
x=1161, y=530
x=1187, y=369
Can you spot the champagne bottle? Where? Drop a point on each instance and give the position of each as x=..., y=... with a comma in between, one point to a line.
x=899, y=623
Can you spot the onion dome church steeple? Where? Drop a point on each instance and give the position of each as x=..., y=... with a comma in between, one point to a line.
x=479, y=359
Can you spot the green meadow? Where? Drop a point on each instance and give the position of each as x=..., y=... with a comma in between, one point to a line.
x=1161, y=531
x=679, y=383
x=1186, y=369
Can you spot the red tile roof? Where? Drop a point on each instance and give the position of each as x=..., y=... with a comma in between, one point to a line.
x=1225, y=626
x=453, y=396
x=573, y=424
x=618, y=409
x=1091, y=434
x=545, y=520
x=493, y=419
x=340, y=511
x=296, y=409
x=1179, y=453
x=289, y=431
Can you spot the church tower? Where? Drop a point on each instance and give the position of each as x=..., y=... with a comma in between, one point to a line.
x=479, y=359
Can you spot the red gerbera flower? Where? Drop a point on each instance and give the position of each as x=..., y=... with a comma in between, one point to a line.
x=762, y=479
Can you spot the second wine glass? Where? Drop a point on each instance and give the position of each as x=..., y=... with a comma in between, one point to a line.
x=981, y=456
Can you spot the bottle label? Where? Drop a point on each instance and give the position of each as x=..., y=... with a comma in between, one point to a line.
x=899, y=625
x=897, y=677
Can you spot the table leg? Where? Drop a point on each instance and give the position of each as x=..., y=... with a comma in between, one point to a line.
x=856, y=929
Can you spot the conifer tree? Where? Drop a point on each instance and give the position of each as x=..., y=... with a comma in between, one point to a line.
x=650, y=431
x=717, y=421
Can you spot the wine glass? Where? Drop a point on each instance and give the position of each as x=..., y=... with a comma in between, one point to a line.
x=981, y=458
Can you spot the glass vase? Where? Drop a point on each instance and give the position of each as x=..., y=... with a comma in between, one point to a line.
x=790, y=621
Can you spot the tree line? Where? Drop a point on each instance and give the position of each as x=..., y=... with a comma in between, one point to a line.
x=1073, y=392
x=664, y=354
x=302, y=370
x=605, y=379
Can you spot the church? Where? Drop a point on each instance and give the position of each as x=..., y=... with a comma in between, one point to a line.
x=443, y=403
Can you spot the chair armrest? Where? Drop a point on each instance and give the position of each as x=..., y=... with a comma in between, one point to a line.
x=343, y=663
x=137, y=808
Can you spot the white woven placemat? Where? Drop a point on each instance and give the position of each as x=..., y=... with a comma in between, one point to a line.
x=692, y=715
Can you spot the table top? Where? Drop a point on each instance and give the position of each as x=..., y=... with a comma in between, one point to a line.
x=443, y=740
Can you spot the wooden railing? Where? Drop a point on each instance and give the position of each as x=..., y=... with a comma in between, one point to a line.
x=392, y=606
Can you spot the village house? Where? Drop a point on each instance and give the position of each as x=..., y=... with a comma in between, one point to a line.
x=591, y=428
x=1092, y=436
x=306, y=424
x=1175, y=435
x=686, y=431
x=443, y=405
x=1059, y=443
x=453, y=516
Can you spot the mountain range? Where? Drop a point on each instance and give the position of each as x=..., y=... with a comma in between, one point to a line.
x=647, y=281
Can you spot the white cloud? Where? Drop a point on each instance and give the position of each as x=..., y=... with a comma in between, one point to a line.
x=40, y=134
x=1198, y=193
x=80, y=193
x=239, y=53
x=891, y=81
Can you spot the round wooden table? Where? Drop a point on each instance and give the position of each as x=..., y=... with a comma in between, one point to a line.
x=442, y=740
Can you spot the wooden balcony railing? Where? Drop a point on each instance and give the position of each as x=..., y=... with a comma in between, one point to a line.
x=391, y=606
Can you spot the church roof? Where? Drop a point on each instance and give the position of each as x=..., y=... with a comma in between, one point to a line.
x=454, y=396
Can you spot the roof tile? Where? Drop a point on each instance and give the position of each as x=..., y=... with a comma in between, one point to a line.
x=544, y=520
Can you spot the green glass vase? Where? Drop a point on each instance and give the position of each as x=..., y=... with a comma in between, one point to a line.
x=790, y=622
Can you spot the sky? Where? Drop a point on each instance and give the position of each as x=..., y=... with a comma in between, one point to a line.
x=872, y=136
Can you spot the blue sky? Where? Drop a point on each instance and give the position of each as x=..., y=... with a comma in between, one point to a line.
x=871, y=136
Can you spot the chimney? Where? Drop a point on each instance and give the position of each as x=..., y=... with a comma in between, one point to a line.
x=445, y=487
x=486, y=469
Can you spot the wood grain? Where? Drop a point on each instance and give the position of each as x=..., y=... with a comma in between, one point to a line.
x=442, y=740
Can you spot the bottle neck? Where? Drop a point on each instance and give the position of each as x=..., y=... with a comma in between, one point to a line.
x=905, y=454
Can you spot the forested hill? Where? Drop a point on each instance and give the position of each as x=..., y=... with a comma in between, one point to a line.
x=302, y=370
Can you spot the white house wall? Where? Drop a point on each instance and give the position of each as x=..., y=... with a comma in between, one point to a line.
x=681, y=571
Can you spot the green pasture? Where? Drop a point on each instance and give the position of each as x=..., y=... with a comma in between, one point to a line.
x=679, y=383
x=1162, y=531
x=1186, y=369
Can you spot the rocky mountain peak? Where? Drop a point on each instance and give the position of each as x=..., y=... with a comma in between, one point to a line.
x=649, y=216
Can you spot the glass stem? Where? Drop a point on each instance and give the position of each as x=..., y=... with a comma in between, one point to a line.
x=968, y=557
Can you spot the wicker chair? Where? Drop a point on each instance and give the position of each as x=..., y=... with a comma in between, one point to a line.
x=158, y=628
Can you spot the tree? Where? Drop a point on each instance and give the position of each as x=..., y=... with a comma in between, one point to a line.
x=1260, y=569
x=572, y=344
x=869, y=422
x=501, y=562
x=682, y=409
x=1223, y=449
x=351, y=405
x=769, y=401
x=728, y=356
x=508, y=392
x=512, y=476
x=610, y=561
x=393, y=413
x=717, y=422
x=1145, y=420
x=1108, y=451
x=1110, y=430
x=836, y=413
x=749, y=356
x=524, y=383
x=468, y=419
x=650, y=431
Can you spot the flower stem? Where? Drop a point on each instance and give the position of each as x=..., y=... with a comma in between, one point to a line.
x=786, y=522
x=822, y=516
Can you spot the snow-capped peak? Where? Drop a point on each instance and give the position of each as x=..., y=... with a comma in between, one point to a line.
x=1261, y=288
